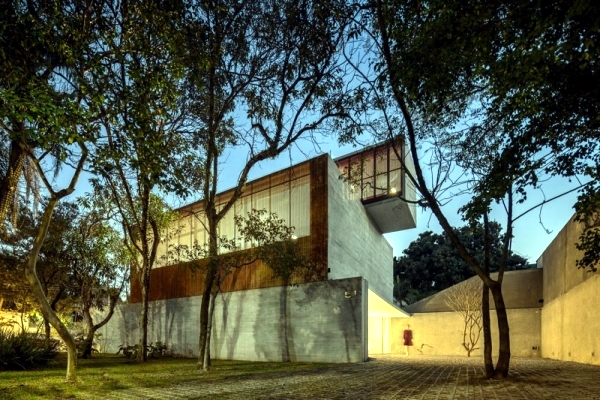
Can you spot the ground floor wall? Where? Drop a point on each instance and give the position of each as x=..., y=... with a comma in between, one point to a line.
x=318, y=322
x=571, y=324
x=441, y=333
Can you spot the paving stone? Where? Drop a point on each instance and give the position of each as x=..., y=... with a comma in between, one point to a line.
x=398, y=377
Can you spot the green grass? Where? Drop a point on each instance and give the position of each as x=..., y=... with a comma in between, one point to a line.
x=107, y=373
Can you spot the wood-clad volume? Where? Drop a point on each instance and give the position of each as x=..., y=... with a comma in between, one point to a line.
x=318, y=213
x=176, y=281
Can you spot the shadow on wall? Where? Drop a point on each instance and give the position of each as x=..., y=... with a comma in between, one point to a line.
x=175, y=331
x=342, y=300
x=130, y=314
x=226, y=334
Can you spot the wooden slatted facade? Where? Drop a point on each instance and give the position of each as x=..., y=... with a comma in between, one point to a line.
x=176, y=281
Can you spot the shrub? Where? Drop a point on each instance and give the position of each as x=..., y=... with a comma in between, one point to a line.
x=23, y=351
x=154, y=350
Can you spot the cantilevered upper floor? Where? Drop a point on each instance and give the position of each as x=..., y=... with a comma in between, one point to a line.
x=377, y=177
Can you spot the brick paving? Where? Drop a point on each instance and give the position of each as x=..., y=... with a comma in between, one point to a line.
x=398, y=377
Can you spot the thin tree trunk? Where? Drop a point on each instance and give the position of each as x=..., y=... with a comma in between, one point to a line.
x=38, y=292
x=487, y=332
x=142, y=355
x=88, y=341
x=92, y=328
x=485, y=303
x=204, y=317
x=211, y=313
x=209, y=282
x=46, y=333
x=503, y=363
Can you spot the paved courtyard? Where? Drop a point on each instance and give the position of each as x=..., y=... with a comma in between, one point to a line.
x=398, y=377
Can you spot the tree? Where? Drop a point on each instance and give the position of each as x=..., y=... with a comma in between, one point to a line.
x=431, y=263
x=262, y=76
x=52, y=269
x=80, y=265
x=46, y=114
x=97, y=263
x=31, y=273
x=144, y=148
x=465, y=300
x=438, y=87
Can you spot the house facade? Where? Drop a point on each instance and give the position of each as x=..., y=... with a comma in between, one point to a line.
x=340, y=210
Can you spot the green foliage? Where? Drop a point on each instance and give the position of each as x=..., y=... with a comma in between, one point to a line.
x=20, y=351
x=275, y=242
x=512, y=90
x=431, y=263
x=52, y=267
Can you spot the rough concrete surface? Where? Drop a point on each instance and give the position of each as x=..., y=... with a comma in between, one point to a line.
x=398, y=377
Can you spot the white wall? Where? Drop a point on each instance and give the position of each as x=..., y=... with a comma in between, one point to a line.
x=311, y=322
x=441, y=333
x=570, y=317
x=355, y=246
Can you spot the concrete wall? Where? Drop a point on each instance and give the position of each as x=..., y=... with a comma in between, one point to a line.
x=570, y=316
x=521, y=289
x=310, y=322
x=438, y=330
x=558, y=261
x=355, y=246
x=440, y=333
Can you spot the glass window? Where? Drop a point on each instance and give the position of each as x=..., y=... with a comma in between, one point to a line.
x=226, y=227
x=280, y=202
x=300, y=212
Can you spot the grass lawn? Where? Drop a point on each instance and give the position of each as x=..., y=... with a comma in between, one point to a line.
x=106, y=373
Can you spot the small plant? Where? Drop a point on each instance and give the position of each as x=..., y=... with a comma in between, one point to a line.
x=154, y=350
x=24, y=351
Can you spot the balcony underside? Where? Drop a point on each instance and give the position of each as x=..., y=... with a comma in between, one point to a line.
x=391, y=215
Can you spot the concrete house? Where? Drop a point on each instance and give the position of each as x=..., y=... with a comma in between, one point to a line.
x=341, y=313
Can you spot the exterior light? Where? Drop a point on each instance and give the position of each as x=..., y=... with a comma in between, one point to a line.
x=294, y=237
x=393, y=190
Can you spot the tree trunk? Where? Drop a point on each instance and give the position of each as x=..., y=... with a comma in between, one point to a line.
x=8, y=184
x=38, y=292
x=46, y=333
x=88, y=340
x=142, y=354
x=485, y=303
x=204, y=316
x=211, y=312
x=209, y=281
x=487, y=332
x=502, y=365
